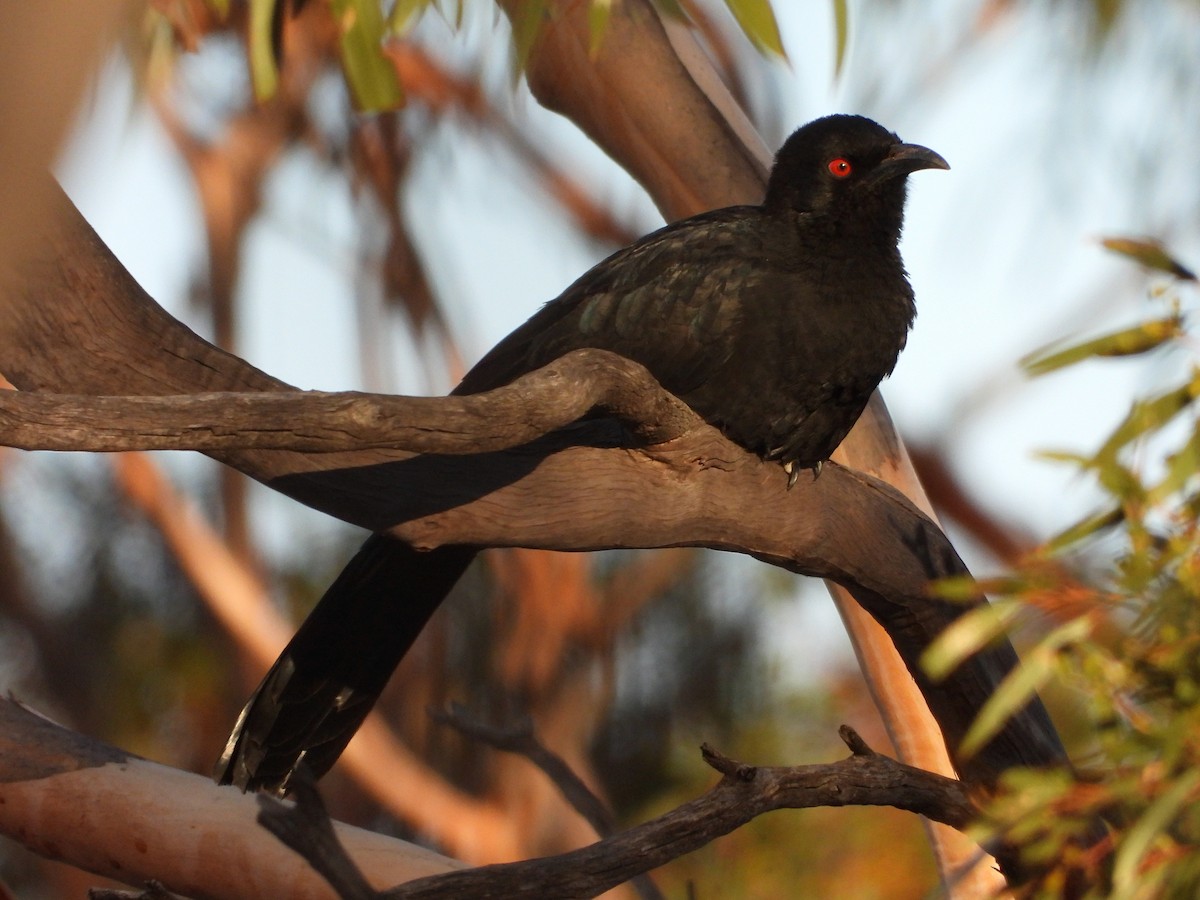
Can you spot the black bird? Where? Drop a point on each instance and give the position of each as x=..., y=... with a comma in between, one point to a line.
x=774, y=322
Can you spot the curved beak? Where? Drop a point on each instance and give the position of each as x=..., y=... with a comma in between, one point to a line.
x=903, y=159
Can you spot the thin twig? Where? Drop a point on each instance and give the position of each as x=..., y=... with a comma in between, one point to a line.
x=305, y=827
x=519, y=737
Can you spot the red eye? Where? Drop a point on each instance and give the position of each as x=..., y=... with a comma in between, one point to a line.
x=840, y=168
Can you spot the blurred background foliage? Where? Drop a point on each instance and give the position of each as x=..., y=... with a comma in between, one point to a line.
x=627, y=661
x=1114, y=600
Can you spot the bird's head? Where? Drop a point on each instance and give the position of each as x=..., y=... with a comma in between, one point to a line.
x=849, y=166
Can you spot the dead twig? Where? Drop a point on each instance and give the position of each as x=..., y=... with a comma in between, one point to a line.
x=519, y=737
x=865, y=778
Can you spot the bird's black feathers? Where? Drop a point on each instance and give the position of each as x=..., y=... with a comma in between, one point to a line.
x=774, y=322
x=313, y=699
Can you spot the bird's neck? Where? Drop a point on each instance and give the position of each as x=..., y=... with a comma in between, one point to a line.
x=851, y=255
x=852, y=240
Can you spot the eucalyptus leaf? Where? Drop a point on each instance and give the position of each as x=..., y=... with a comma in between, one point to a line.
x=969, y=634
x=1149, y=253
x=1128, y=875
x=1182, y=467
x=264, y=72
x=373, y=81
x=841, y=34
x=1126, y=342
x=1147, y=416
x=599, y=12
x=1064, y=456
x=756, y=18
x=1021, y=684
x=1085, y=528
x=526, y=18
x=404, y=14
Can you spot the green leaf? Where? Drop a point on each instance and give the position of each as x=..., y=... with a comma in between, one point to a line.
x=1128, y=879
x=404, y=14
x=967, y=635
x=841, y=34
x=958, y=588
x=599, y=12
x=1147, y=416
x=1064, y=456
x=1127, y=342
x=264, y=74
x=757, y=21
x=1020, y=685
x=1085, y=528
x=526, y=18
x=1182, y=467
x=372, y=77
x=1120, y=481
x=1149, y=253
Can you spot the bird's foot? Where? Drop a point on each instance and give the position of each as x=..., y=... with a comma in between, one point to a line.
x=793, y=472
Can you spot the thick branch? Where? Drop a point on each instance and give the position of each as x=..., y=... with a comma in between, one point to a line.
x=695, y=153
x=72, y=798
x=543, y=401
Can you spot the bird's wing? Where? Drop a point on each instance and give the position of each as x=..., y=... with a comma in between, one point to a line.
x=668, y=301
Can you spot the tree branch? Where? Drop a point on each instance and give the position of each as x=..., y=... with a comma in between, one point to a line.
x=305, y=827
x=744, y=792
x=543, y=401
x=519, y=738
x=64, y=791
x=76, y=799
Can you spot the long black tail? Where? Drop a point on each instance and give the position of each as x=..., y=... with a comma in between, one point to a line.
x=329, y=676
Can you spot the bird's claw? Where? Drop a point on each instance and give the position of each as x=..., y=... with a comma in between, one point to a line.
x=793, y=471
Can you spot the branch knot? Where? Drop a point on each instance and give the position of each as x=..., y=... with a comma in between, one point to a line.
x=730, y=768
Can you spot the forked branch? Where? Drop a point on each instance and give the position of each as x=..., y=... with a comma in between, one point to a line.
x=865, y=778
